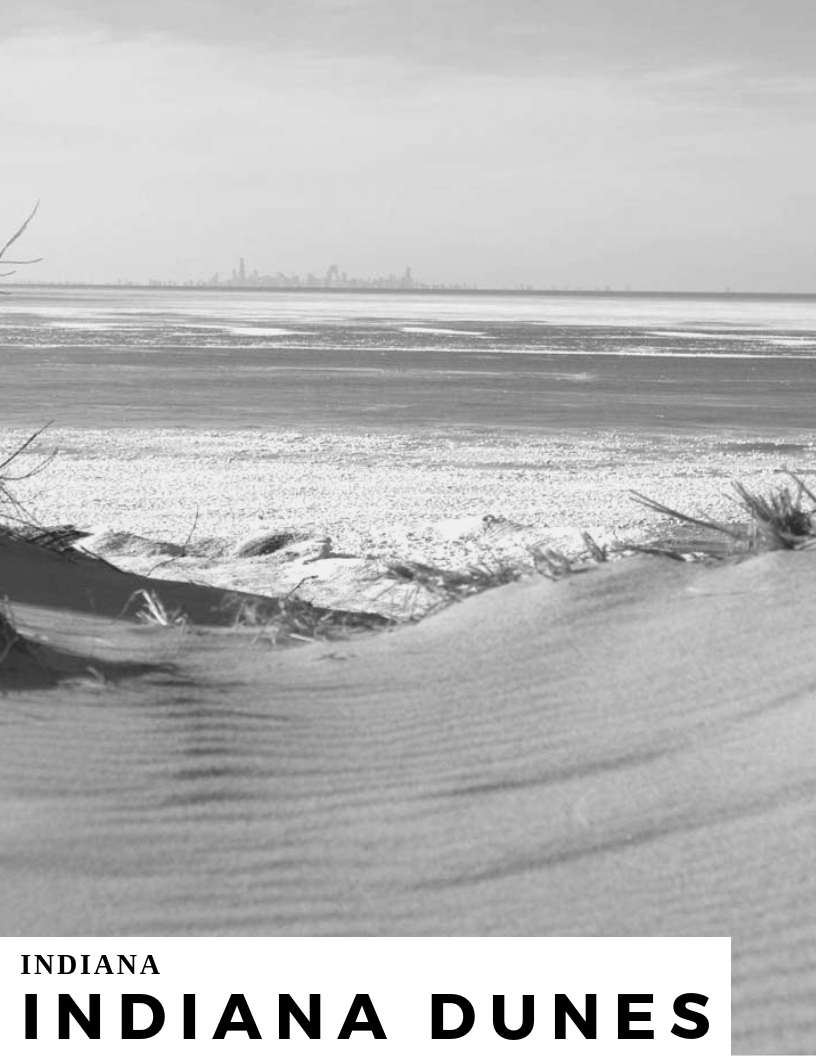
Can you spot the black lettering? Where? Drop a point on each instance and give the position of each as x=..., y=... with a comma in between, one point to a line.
x=25, y=970
x=131, y=1033
x=362, y=1003
x=236, y=1003
x=67, y=1009
x=586, y=1023
x=681, y=1009
x=438, y=1002
x=289, y=1009
x=627, y=1016
x=527, y=1018
x=189, y=1017
x=31, y=1017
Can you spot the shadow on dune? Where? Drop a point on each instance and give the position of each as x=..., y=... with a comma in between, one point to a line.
x=35, y=575
x=28, y=664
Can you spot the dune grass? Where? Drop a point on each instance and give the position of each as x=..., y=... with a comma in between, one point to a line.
x=448, y=586
x=453, y=584
x=290, y=620
x=154, y=612
x=782, y=519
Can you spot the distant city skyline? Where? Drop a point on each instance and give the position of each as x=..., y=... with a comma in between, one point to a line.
x=243, y=277
x=333, y=277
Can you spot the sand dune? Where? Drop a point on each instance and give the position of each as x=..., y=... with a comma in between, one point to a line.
x=80, y=582
x=626, y=751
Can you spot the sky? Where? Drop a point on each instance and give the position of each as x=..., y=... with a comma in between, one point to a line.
x=562, y=143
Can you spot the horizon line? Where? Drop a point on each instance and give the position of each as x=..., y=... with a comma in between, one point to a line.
x=448, y=289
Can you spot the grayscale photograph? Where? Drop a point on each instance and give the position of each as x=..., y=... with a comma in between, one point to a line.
x=408, y=475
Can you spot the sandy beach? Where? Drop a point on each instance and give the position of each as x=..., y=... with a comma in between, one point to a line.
x=180, y=503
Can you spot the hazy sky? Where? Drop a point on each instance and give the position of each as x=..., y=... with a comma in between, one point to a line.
x=576, y=142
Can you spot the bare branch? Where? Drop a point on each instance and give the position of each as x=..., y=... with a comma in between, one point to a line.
x=11, y=507
x=25, y=444
x=41, y=465
x=20, y=230
x=34, y=260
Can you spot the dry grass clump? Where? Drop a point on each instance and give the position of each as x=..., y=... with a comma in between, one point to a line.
x=554, y=564
x=453, y=583
x=154, y=611
x=595, y=552
x=292, y=621
x=447, y=586
x=782, y=519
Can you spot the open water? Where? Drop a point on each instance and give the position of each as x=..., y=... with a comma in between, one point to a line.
x=340, y=360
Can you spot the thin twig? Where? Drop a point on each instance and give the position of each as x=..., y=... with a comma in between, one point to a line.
x=186, y=542
x=26, y=443
x=20, y=230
